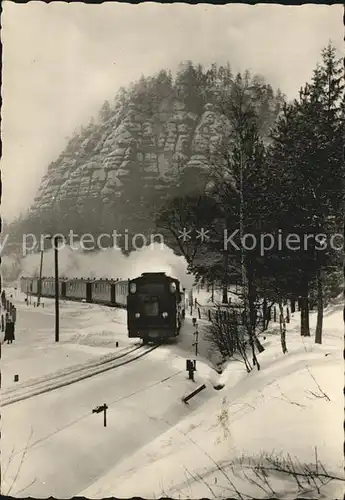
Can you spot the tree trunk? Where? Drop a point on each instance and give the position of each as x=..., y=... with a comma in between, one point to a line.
x=282, y=326
x=268, y=317
x=264, y=314
x=293, y=306
x=225, y=299
x=319, y=322
x=305, y=330
x=254, y=341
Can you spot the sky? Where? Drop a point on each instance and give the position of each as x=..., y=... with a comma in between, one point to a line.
x=61, y=61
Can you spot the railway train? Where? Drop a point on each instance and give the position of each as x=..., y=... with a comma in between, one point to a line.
x=145, y=296
x=99, y=291
x=155, y=307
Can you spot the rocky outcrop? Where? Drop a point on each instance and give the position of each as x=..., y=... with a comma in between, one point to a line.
x=158, y=136
x=131, y=148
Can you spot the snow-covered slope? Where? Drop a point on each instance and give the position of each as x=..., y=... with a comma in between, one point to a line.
x=292, y=408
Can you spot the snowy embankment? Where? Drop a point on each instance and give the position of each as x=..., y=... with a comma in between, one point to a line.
x=88, y=333
x=292, y=408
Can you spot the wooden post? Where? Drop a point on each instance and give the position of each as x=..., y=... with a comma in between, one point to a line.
x=190, y=366
x=56, y=253
x=40, y=281
x=195, y=344
x=105, y=414
x=194, y=393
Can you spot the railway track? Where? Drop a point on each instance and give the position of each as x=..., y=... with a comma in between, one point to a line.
x=72, y=375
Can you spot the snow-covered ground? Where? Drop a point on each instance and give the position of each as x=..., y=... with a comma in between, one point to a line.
x=57, y=430
x=154, y=444
x=292, y=407
x=86, y=331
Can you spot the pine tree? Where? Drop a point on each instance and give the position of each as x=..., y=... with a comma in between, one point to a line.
x=105, y=112
x=307, y=153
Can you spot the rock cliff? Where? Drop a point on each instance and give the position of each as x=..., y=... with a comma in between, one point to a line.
x=113, y=173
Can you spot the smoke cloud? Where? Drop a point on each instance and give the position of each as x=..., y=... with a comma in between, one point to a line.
x=109, y=263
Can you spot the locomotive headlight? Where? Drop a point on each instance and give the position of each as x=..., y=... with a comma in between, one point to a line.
x=133, y=288
x=173, y=287
x=137, y=315
x=165, y=315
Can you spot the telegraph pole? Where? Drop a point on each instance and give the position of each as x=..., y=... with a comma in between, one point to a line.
x=56, y=262
x=40, y=281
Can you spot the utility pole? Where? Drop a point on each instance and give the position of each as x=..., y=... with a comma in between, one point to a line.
x=40, y=281
x=56, y=262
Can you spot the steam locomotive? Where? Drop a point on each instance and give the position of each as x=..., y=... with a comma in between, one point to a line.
x=155, y=307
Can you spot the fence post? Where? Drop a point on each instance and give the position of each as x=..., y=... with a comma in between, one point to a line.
x=274, y=314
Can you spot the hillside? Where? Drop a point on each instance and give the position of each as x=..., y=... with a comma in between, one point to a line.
x=157, y=135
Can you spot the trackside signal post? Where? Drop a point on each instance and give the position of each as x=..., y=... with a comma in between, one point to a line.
x=190, y=367
x=191, y=364
x=99, y=409
x=196, y=334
